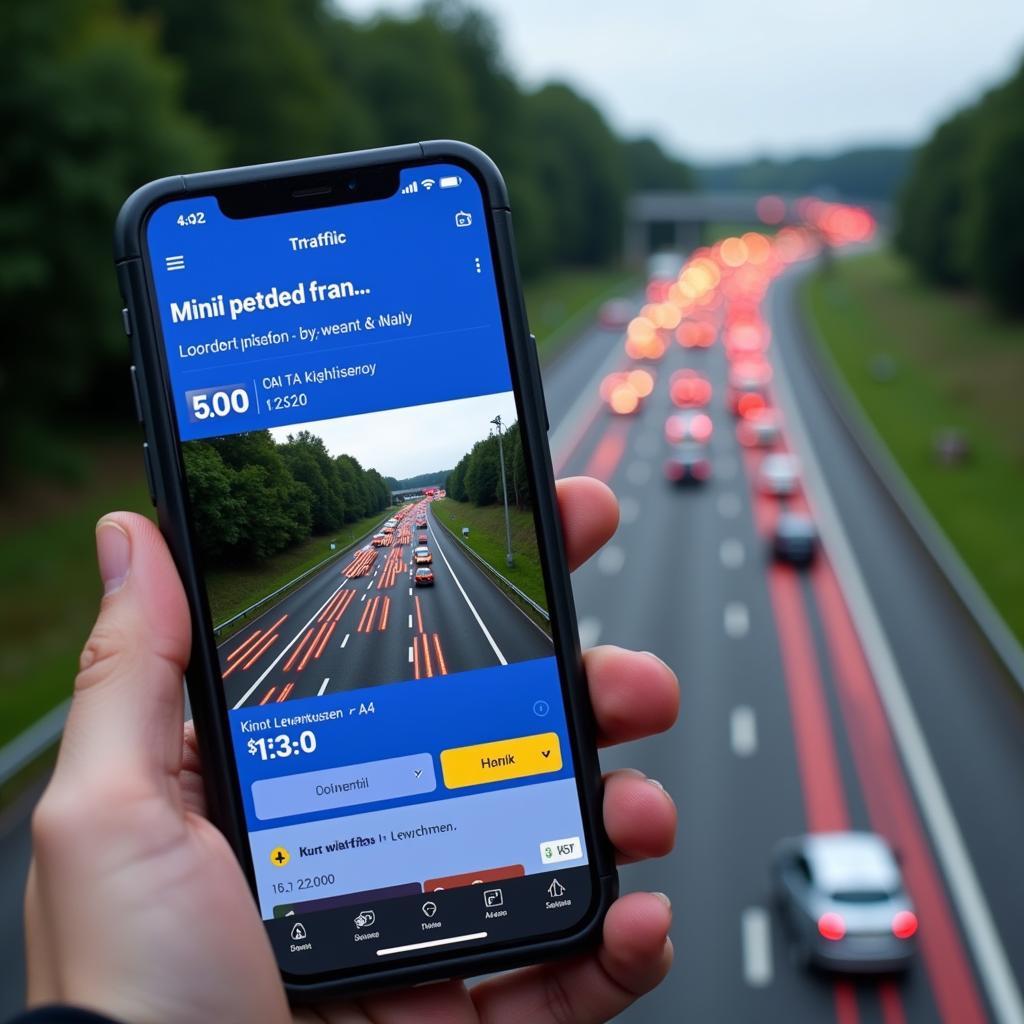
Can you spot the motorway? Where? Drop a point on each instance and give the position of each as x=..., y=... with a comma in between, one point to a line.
x=855, y=694
x=361, y=621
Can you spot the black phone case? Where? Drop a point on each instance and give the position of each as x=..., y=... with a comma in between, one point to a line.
x=167, y=486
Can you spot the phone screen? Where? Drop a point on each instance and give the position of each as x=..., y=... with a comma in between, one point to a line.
x=363, y=519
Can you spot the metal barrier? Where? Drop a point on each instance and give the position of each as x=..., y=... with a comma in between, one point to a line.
x=494, y=572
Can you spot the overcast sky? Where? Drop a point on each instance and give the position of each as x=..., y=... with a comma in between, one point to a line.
x=723, y=79
x=406, y=442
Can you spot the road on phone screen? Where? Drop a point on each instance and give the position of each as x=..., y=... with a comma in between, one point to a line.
x=854, y=695
x=362, y=620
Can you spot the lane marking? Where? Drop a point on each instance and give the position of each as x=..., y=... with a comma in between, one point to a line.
x=756, y=937
x=590, y=632
x=476, y=615
x=629, y=510
x=248, y=693
x=410, y=654
x=611, y=559
x=729, y=505
x=736, y=620
x=989, y=954
x=345, y=641
x=743, y=731
x=323, y=687
x=732, y=553
x=410, y=589
x=410, y=620
x=608, y=453
x=638, y=473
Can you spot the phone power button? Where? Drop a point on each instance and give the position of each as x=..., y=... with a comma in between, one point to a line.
x=147, y=461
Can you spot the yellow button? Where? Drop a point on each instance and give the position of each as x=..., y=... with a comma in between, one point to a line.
x=503, y=759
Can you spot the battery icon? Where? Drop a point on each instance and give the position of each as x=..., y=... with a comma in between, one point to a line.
x=452, y=181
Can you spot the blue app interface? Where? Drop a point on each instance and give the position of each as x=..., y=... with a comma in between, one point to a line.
x=350, y=442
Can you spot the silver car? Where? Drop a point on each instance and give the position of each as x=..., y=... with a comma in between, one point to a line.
x=779, y=474
x=842, y=899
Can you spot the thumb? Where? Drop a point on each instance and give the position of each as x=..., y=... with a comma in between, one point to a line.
x=126, y=712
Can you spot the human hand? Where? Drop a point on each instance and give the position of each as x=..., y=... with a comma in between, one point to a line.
x=136, y=906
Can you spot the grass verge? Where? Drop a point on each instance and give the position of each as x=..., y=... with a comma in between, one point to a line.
x=921, y=362
x=487, y=538
x=562, y=304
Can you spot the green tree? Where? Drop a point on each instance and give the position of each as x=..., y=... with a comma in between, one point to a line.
x=648, y=166
x=215, y=512
x=483, y=474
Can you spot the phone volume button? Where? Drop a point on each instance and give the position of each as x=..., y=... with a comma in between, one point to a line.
x=126, y=321
x=136, y=395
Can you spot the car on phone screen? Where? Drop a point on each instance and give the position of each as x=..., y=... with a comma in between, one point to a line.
x=421, y=523
x=422, y=556
x=422, y=539
x=843, y=902
x=379, y=539
x=423, y=577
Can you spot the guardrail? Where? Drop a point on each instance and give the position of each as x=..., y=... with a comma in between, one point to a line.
x=507, y=583
x=969, y=592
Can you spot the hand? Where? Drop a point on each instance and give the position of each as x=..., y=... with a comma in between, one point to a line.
x=136, y=906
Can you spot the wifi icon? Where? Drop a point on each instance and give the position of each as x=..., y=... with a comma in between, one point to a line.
x=428, y=183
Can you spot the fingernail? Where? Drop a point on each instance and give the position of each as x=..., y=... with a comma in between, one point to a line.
x=655, y=782
x=113, y=553
x=660, y=661
x=664, y=898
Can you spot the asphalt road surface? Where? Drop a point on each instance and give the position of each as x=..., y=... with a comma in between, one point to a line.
x=856, y=694
x=361, y=621
x=853, y=695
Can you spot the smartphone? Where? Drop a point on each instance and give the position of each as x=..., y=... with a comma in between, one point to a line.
x=345, y=440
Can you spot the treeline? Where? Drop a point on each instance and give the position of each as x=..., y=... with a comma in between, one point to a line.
x=252, y=497
x=98, y=96
x=477, y=477
x=435, y=479
x=866, y=172
x=961, y=216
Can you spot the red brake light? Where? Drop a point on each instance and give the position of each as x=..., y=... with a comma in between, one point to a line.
x=904, y=924
x=831, y=926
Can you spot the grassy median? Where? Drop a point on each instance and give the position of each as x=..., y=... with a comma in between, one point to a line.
x=487, y=539
x=921, y=362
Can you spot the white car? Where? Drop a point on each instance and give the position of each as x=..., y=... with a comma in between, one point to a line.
x=779, y=474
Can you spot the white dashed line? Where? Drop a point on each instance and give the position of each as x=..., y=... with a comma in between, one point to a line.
x=611, y=559
x=590, y=632
x=323, y=686
x=756, y=934
x=345, y=641
x=629, y=510
x=732, y=553
x=410, y=620
x=736, y=620
x=410, y=589
x=638, y=472
x=743, y=731
x=729, y=505
x=363, y=598
x=410, y=654
x=370, y=584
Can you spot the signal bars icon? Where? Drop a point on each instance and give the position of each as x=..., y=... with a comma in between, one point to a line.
x=408, y=190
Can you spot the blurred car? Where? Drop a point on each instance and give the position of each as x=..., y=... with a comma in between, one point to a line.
x=688, y=389
x=422, y=539
x=688, y=463
x=696, y=334
x=424, y=577
x=421, y=523
x=615, y=314
x=688, y=425
x=759, y=428
x=379, y=540
x=842, y=899
x=795, y=538
x=779, y=474
x=422, y=556
x=748, y=387
x=625, y=390
x=665, y=266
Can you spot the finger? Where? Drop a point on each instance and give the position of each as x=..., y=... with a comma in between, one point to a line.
x=634, y=957
x=634, y=694
x=126, y=711
x=639, y=816
x=590, y=515
x=192, y=792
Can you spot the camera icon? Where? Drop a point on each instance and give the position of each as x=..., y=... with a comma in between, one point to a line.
x=365, y=919
x=493, y=898
x=463, y=219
